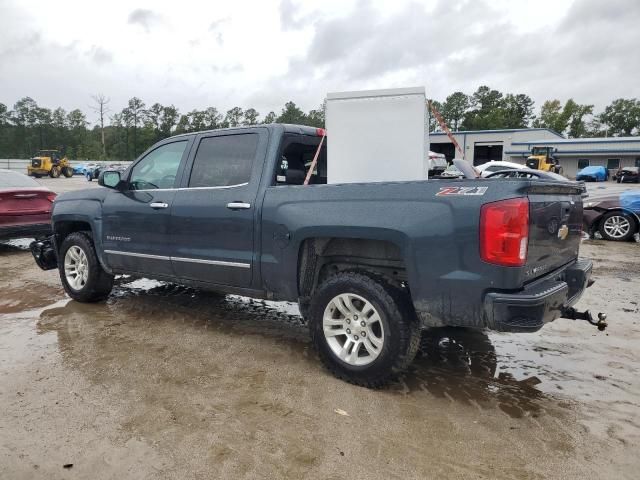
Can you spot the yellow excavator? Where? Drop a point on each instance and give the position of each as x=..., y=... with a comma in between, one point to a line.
x=544, y=159
x=49, y=162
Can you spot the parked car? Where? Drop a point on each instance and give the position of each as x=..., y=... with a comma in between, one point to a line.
x=79, y=168
x=616, y=217
x=628, y=174
x=452, y=172
x=593, y=174
x=222, y=210
x=25, y=206
x=498, y=165
x=437, y=163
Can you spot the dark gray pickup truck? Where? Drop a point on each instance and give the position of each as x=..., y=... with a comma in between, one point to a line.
x=371, y=265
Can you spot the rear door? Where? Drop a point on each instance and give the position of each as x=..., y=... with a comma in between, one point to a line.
x=214, y=212
x=136, y=235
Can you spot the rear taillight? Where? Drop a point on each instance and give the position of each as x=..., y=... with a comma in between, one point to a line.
x=51, y=197
x=504, y=232
x=320, y=132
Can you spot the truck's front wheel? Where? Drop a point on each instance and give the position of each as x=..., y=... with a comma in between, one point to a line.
x=364, y=329
x=83, y=278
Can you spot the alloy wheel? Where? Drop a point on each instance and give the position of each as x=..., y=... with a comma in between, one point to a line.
x=353, y=329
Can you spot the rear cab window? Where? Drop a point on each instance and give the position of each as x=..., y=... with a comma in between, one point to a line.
x=224, y=161
x=296, y=156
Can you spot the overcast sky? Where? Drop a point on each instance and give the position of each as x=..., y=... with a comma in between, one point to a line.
x=263, y=53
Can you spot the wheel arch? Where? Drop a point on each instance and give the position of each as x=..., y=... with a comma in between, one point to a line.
x=632, y=214
x=320, y=257
x=66, y=224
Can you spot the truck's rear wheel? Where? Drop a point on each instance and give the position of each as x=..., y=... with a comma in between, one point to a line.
x=83, y=278
x=67, y=172
x=364, y=329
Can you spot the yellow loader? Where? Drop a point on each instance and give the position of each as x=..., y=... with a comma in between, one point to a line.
x=544, y=159
x=49, y=162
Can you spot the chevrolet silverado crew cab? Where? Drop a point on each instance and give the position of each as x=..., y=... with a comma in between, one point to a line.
x=370, y=264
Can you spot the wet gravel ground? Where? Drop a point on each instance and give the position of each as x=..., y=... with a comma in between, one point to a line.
x=167, y=382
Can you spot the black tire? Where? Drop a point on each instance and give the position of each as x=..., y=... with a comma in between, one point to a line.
x=99, y=283
x=67, y=172
x=89, y=177
x=633, y=226
x=401, y=328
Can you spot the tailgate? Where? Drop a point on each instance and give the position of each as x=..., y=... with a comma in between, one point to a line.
x=555, y=227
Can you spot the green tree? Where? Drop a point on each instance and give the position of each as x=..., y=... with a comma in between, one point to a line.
x=196, y=121
x=569, y=119
x=315, y=118
x=551, y=116
x=250, y=117
x=233, y=118
x=291, y=114
x=135, y=113
x=269, y=118
x=183, y=124
x=487, y=110
x=434, y=126
x=454, y=109
x=518, y=110
x=4, y=115
x=212, y=118
x=622, y=117
x=168, y=120
x=577, y=126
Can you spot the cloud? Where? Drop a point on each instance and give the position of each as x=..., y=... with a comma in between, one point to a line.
x=100, y=56
x=215, y=28
x=145, y=18
x=459, y=47
x=290, y=18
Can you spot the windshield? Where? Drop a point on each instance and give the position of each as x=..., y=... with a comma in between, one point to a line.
x=539, y=150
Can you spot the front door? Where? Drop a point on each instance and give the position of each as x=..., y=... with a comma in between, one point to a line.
x=214, y=212
x=136, y=236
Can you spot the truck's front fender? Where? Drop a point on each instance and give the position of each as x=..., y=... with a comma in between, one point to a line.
x=74, y=215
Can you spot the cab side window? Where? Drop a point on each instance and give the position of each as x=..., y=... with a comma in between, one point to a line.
x=224, y=161
x=159, y=168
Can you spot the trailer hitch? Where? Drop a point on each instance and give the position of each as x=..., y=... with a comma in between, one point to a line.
x=572, y=314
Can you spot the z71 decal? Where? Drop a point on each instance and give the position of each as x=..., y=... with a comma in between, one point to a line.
x=445, y=191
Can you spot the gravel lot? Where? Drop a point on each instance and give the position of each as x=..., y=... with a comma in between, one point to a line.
x=168, y=382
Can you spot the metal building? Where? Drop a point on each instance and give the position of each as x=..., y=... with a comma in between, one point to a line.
x=515, y=145
x=480, y=146
x=577, y=153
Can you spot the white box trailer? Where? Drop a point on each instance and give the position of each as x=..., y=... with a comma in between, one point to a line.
x=377, y=135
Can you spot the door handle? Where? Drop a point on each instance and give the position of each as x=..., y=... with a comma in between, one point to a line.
x=238, y=205
x=158, y=205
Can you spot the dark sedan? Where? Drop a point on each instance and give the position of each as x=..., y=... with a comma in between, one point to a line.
x=25, y=206
x=616, y=217
x=628, y=174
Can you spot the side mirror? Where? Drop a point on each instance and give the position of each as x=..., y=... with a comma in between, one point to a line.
x=109, y=179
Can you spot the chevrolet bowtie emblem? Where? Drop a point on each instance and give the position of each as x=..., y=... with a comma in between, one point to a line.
x=563, y=232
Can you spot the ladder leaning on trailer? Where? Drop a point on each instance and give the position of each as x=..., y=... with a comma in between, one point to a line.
x=444, y=128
